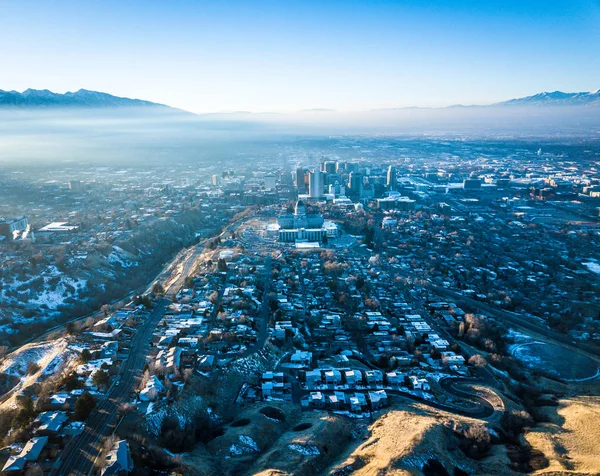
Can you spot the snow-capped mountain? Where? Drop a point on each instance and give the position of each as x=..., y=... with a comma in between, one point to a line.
x=556, y=98
x=36, y=98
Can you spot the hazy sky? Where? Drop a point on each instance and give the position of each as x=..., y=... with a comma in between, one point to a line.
x=289, y=55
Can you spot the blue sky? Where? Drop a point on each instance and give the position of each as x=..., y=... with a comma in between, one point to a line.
x=290, y=55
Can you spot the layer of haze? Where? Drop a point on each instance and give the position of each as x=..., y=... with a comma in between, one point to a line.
x=131, y=136
x=289, y=55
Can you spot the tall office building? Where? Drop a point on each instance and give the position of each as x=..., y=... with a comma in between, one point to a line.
x=355, y=183
x=351, y=167
x=299, y=182
x=391, y=178
x=328, y=167
x=331, y=178
x=316, y=184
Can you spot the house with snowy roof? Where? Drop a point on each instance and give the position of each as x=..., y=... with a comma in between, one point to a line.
x=119, y=460
x=153, y=389
x=50, y=423
x=30, y=453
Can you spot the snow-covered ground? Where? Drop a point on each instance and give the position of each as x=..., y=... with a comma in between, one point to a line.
x=593, y=266
x=258, y=363
x=518, y=348
x=48, y=355
x=121, y=257
x=56, y=296
x=303, y=449
x=518, y=337
x=552, y=359
x=49, y=288
x=51, y=357
x=246, y=445
x=183, y=410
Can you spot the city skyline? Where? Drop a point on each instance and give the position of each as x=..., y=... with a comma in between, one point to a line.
x=269, y=57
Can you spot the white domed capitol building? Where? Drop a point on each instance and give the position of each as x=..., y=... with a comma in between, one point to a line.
x=305, y=227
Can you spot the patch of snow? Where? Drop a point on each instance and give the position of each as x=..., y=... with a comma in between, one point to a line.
x=592, y=266
x=120, y=256
x=235, y=450
x=47, y=355
x=306, y=450
x=437, y=376
x=418, y=461
x=246, y=446
x=249, y=442
x=517, y=336
x=53, y=298
x=183, y=410
x=174, y=455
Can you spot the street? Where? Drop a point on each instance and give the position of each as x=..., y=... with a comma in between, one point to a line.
x=80, y=454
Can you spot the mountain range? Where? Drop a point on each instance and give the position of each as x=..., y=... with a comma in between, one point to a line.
x=35, y=98
x=42, y=98
x=557, y=98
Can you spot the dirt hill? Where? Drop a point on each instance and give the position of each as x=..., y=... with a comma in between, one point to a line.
x=570, y=438
x=418, y=440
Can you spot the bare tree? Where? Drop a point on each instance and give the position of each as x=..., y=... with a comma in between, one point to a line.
x=106, y=309
x=477, y=360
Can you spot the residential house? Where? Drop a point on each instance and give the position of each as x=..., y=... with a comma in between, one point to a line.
x=316, y=400
x=302, y=358
x=118, y=461
x=358, y=403
x=153, y=389
x=206, y=363
x=50, y=423
x=267, y=389
x=378, y=399
x=450, y=358
x=419, y=383
x=333, y=377
x=30, y=453
x=374, y=377
x=188, y=342
x=353, y=377
x=394, y=378
x=313, y=378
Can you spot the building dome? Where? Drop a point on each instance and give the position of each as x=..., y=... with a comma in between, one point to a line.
x=300, y=208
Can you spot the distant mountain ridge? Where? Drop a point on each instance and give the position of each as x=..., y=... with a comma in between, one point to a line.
x=45, y=99
x=42, y=98
x=556, y=98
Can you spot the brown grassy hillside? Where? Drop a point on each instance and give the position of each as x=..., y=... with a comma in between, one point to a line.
x=571, y=437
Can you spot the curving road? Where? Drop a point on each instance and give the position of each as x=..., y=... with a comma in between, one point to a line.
x=486, y=408
x=520, y=322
